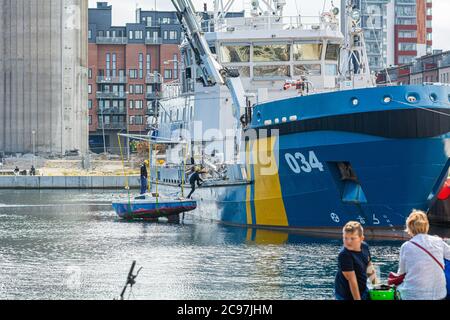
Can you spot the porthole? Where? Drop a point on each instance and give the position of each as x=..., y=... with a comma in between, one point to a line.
x=433, y=97
x=412, y=97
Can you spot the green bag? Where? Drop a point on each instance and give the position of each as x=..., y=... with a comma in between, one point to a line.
x=382, y=293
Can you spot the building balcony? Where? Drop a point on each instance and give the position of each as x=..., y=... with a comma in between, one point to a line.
x=113, y=110
x=153, y=95
x=153, y=41
x=111, y=40
x=113, y=126
x=152, y=79
x=103, y=79
x=111, y=95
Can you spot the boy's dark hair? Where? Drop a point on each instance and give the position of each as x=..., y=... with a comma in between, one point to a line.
x=352, y=227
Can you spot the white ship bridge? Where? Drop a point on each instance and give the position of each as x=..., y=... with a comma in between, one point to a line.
x=268, y=49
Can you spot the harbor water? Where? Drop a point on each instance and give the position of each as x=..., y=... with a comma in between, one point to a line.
x=70, y=245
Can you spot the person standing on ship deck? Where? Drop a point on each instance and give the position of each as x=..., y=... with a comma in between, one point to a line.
x=195, y=178
x=144, y=177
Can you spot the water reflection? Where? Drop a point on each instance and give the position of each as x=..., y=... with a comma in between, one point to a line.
x=70, y=245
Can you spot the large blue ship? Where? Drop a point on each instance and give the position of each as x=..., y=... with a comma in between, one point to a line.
x=332, y=150
x=374, y=161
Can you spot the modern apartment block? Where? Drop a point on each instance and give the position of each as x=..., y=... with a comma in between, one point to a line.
x=413, y=30
x=396, y=31
x=127, y=66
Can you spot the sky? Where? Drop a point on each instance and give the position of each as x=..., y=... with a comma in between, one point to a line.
x=124, y=11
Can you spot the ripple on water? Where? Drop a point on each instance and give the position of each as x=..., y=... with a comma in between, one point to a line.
x=58, y=250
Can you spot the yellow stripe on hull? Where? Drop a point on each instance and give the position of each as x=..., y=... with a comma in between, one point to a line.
x=249, y=178
x=269, y=205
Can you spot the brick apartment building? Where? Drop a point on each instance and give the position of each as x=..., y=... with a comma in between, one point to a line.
x=127, y=66
x=432, y=68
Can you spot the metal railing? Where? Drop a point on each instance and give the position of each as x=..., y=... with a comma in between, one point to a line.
x=172, y=89
x=270, y=23
x=120, y=79
x=111, y=95
x=111, y=40
x=153, y=95
x=152, y=79
x=113, y=110
x=113, y=126
x=151, y=41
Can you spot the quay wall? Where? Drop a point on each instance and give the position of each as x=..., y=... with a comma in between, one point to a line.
x=63, y=182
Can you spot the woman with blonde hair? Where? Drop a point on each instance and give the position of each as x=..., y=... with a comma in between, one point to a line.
x=422, y=261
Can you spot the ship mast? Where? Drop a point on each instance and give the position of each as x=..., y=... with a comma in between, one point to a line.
x=355, y=64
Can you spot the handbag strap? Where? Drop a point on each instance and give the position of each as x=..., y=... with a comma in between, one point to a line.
x=429, y=253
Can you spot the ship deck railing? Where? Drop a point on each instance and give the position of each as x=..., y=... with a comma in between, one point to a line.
x=172, y=89
x=270, y=23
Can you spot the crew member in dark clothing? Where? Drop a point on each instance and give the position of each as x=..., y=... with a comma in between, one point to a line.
x=144, y=177
x=195, y=178
x=32, y=171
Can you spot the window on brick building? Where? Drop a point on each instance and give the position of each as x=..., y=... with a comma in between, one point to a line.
x=173, y=35
x=138, y=104
x=149, y=64
x=141, y=66
x=133, y=74
x=167, y=74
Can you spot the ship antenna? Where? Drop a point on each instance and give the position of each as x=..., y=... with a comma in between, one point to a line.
x=324, y=4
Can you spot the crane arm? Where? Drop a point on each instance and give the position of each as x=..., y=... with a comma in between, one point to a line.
x=212, y=71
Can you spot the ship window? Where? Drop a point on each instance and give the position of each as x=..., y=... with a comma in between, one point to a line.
x=307, y=70
x=271, y=71
x=235, y=54
x=332, y=52
x=271, y=52
x=244, y=71
x=330, y=69
x=307, y=51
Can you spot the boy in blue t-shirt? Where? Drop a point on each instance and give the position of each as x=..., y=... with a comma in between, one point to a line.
x=354, y=265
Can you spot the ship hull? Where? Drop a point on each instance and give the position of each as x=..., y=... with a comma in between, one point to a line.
x=295, y=181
